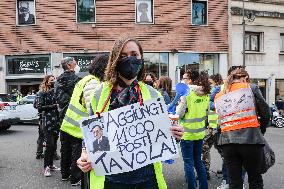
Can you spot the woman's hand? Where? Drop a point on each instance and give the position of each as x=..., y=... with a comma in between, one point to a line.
x=83, y=162
x=177, y=132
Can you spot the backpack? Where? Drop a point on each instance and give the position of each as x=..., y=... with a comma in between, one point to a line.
x=268, y=158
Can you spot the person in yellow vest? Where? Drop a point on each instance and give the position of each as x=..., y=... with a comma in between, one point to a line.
x=79, y=107
x=210, y=138
x=241, y=139
x=124, y=86
x=192, y=111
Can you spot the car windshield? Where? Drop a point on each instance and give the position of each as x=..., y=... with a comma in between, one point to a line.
x=5, y=98
x=30, y=97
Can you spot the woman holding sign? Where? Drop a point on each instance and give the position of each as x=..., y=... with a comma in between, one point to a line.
x=241, y=139
x=193, y=113
x=124, y=86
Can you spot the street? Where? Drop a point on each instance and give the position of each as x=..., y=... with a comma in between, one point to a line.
x=20, y=169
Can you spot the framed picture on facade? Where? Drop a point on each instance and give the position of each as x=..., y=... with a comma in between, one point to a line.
x=26, y=14
x=86, y=11
x=144, y=11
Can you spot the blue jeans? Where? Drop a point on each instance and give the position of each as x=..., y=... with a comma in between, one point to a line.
x=191, y=153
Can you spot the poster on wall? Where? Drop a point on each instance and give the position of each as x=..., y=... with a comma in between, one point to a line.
x=144, y=11
x=26, y=12
x=130, y=137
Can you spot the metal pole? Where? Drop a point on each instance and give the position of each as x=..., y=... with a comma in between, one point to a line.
x=244, y=35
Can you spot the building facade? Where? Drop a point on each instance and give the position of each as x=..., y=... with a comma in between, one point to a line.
x=35, y=35
x=264, y=44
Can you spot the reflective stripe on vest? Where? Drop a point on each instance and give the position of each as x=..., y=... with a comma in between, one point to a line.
x=101, y=94
x=195, y=120
x=237, y=116
x=194, y=130
x=212, y=119
x=75, y=111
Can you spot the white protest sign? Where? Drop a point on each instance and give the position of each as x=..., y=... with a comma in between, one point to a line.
x=138, y=136
x=235, y=101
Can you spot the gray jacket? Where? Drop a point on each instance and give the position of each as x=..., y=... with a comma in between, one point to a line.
x=250, y=135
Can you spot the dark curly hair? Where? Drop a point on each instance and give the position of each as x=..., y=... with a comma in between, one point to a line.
x=152, y=75
x=193, y=75
x=217, y=78
x=203, y=80
x=98, y=66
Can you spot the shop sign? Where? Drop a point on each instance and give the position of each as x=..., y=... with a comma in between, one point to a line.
x=22, y=65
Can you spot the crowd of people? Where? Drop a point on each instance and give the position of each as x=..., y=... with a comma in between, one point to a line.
x=118, y=80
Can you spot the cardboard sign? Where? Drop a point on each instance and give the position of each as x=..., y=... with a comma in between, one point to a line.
x=235, y=101
x=137, y=136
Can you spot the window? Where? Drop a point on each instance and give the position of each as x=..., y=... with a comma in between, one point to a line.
x=157, y=63
x=279, y=89
x=37, y=64
x=144, y=11
x=199, y=12
x=26, y=12
x=86, y=11
x=252, y=41
x=282, y=42
x=200, y=62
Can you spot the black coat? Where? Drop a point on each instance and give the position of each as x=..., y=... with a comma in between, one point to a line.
x=64, y=87
x=47, y=105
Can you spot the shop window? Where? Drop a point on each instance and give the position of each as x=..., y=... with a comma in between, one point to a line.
x=86, y=11
x=282, y=42
x=144, y=11
x=26, y=14
x=252, y=41
x=27, y=64
x=83, y=60
x=200, y=62
x=157, y=63
x=279, y=90
x=199, y=12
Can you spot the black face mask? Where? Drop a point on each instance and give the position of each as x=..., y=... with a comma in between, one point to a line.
x=129, y=67
x=151, y=83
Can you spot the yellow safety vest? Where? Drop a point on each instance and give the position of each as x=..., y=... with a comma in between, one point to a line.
x=97, y=103
x=194, y=119
x=75, y=111
x=212, y=119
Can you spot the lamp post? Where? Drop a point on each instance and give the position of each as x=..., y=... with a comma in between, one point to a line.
x=250, y=18
x=244, y=35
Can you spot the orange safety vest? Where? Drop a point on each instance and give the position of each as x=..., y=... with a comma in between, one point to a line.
x=236, y=109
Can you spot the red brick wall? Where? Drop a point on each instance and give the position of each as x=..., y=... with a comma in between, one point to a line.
x=57, y=30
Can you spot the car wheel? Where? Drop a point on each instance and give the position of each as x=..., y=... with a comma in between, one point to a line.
x=5, y=127
x=279, y=122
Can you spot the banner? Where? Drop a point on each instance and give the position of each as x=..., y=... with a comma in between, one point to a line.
x=235, y=101
x=129, y=138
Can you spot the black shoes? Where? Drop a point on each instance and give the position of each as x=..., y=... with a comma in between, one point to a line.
x=39, y=156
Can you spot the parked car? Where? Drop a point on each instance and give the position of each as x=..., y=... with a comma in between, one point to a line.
x=8, y=111
x=26, y=110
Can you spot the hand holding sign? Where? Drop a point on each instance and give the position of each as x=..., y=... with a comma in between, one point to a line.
x=137, y=135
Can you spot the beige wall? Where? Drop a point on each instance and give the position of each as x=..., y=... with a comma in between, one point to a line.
x=268, y=63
